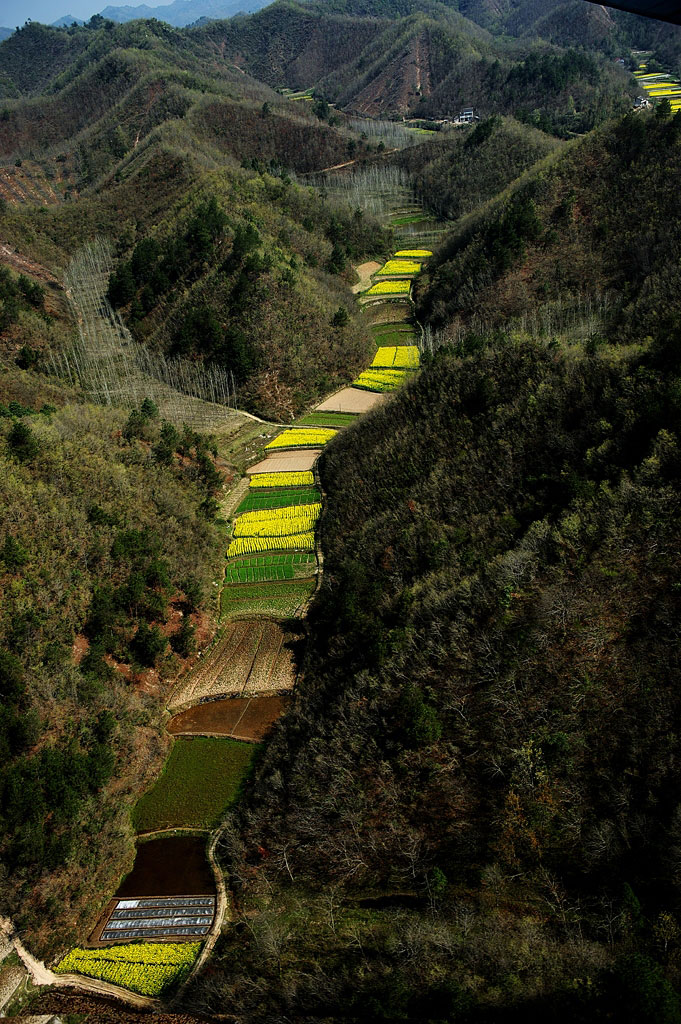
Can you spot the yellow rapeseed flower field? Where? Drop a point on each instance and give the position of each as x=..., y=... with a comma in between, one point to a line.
x=303, y=438
x=390, y=288
x=282, y=479
x=412, y=254
x=399, y=267
x=380, y=380
x=278, y=522
x=147, y=967
x=403, y=356
x=257, y=545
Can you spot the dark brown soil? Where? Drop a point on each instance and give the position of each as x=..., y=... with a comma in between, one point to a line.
x=173, y=866
x=241, y=718
x=95, y=1010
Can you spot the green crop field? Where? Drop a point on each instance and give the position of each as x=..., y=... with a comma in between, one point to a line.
x=394, y=334
x=411, y=218
x=201, y=778
x=267, y=568
x=280, y=600
x=255, y=500
x=328, y=419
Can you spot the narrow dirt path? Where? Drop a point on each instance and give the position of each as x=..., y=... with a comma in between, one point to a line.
x=41, y=975
x=24, y=265
x=351, y=163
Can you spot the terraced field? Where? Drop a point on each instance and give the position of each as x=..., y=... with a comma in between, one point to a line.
x=328, y=419
x=351, y=400
x=267, y=568
x=249, y=654
x=277, y=600
x=278, y=498
x=294, y=461
x=201, y=778
x=241, y=718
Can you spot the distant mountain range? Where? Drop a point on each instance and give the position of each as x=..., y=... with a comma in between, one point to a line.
x=179, y=13
x=67, y=20
x=185, y=12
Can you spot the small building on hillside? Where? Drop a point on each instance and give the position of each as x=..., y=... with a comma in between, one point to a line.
x=467, y=116
x=642, y=103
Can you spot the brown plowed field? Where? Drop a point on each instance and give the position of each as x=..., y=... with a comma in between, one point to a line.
x=287, y=462
x=388, y=312
x=241, y=718
x=351, y=400
x=265, y=660
x=284, y=670
x=251, y=657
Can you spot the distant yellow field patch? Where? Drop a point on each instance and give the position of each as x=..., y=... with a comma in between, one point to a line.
x=399, y=267
x=390, y=288
x=412, y=254
x=304, y=438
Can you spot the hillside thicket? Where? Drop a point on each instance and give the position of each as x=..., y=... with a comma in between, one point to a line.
x=255, y=286
x=107, y=545
x=460, y=171
x=561, y=91
x=597, y=221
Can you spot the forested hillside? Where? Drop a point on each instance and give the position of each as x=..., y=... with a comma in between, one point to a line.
x=457, y=174
x=107, y=550
x=476, y=789
x=223, y=259
x=561, y=233
x=429, y=61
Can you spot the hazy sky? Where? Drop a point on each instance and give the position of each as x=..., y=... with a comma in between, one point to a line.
x=15, y=12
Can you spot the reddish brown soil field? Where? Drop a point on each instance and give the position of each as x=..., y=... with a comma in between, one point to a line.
x=241, y=718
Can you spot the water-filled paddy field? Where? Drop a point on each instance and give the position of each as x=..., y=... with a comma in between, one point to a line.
x=242, y=718
x=169, y=866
